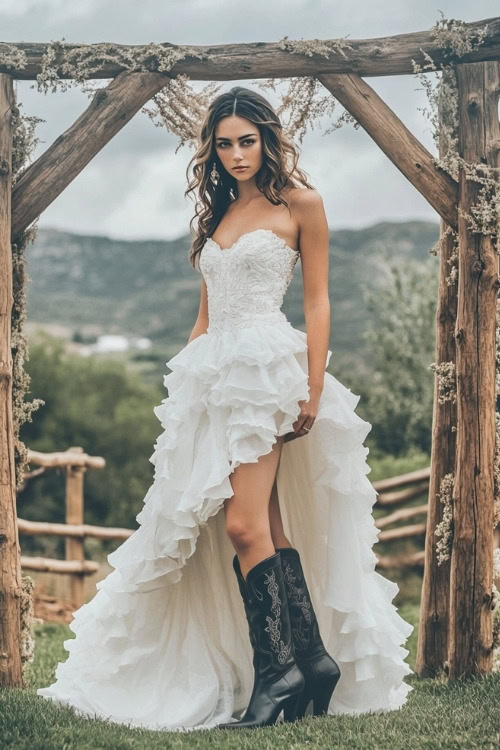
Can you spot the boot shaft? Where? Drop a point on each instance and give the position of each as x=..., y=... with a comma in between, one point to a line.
x=266, y=608
x=305, y=630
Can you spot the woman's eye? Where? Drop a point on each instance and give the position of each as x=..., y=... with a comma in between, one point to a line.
x=247, y=140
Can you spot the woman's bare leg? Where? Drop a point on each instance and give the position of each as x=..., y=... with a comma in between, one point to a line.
x=247, y=511
x=275, y=520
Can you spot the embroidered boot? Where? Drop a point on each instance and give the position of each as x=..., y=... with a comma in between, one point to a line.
x=321, y=672
x=278, y=682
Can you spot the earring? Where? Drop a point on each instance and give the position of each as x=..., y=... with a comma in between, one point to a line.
x=214, y=175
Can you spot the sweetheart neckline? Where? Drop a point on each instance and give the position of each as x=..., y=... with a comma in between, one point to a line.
x=246, y=234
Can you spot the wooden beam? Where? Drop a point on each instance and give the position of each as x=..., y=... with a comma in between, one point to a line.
x=40, y=528
x=386, y=499
x=75, y=549
x=10, y=570
x=48, y=565
x=416, y=559
x=402, y=532
x=432, y=648
x=65, y=458
x=403, y=514
x=397, y=142
x=411, y=477
x=110, y=110
x=382, y=56
x=470, y=635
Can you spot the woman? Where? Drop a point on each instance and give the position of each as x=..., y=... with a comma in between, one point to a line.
x=255, y=426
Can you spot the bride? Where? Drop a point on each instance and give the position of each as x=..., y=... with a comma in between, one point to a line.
x=273, y=606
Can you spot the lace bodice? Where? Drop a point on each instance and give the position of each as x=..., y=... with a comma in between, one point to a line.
x=246, y=283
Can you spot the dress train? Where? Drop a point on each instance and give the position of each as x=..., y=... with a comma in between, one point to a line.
x=164, y=642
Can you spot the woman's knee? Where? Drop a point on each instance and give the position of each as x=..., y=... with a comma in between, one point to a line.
x=244, y=533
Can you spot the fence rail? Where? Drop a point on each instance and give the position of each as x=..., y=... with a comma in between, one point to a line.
x=391, y=492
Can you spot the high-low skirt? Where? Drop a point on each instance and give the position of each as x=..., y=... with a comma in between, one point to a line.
x=164, y=642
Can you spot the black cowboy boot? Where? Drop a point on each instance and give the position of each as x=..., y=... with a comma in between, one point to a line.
x=321, y=672
x=278, y=682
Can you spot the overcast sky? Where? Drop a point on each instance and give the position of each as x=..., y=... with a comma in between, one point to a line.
x=134, y=188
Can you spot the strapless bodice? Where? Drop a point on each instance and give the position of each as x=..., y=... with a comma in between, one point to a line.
x=246, y=283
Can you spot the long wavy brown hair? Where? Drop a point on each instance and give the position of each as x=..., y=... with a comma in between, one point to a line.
x=279, y=168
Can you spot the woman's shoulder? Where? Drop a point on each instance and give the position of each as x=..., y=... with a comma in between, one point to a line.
x=303, y=198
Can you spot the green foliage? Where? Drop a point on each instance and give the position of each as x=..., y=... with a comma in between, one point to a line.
x=99, y=405
x=400, y=339
x=384, y=465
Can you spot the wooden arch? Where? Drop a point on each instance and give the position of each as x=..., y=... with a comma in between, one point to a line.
x=456, y=624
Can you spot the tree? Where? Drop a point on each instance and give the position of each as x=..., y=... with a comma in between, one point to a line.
x=98, y=404
x=400, y=338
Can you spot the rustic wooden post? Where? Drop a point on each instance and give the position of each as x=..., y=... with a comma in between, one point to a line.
x=74, y=515
x=10, y=566
x=432, y=649
x=470, y=635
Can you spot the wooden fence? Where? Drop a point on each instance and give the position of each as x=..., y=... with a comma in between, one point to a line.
x=393, y=492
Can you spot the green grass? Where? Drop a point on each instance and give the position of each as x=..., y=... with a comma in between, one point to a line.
x=463, y=714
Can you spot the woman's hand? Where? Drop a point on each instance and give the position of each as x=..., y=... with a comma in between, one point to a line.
x=308, y=413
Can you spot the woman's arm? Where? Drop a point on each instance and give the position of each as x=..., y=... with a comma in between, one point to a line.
x=201, y=324
x=313, y=238
x=309, y=212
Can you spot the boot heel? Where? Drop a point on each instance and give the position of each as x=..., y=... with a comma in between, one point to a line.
x=290, y=707
x=322, y=696
x=304, y=699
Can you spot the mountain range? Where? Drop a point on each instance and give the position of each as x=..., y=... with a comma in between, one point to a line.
x=93, y=285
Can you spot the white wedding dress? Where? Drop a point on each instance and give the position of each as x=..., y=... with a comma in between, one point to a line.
x=164, y=643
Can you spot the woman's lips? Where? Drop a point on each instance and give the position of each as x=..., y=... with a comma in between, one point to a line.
x=239, y=169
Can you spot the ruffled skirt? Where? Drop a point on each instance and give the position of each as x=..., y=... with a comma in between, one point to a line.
x=164, y=642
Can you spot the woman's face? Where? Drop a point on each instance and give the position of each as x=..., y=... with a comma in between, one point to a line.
x=238, y=143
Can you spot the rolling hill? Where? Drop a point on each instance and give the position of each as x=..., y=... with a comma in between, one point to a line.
x=96, y=285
